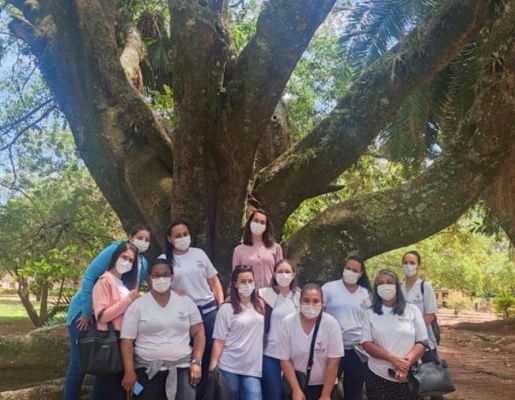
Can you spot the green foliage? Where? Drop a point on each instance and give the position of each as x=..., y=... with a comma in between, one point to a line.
x=459, y=259
x=458, y=302
x=56, y=219
x=376, y=25
x=321, y=76
x=369, y=174
x=504, y=304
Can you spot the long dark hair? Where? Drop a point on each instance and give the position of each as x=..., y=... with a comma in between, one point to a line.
x=235, y=295
x=168, y=245
x=130, y=278
x=377, y=302
x=268, y=234
x=293, y=284
x=363, y=281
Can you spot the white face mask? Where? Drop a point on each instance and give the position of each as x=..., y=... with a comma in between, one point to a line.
x=141, y=245
x=310, y=311
x=256, y=228
x=183, y=243
x=161, y=285
x=409, y=269
x=122, y=266
x=284, y=278
x=246, y=290
x=350, y=277
x=386, y=291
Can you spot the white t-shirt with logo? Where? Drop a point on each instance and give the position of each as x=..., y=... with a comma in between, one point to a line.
x=161, y=333
x=348, y=309
x=191, y=272
x=396, y=334
x=294, y=345
x=426, y=302
x=281, y=307
x=243, y=335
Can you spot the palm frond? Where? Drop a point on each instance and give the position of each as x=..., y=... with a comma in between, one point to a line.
x=376, y=25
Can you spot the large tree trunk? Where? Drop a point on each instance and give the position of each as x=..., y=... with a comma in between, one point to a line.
x=205, y=169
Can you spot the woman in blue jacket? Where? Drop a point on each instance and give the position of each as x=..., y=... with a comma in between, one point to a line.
x=80, y=311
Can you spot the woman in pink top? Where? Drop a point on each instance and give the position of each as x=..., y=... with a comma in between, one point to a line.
x=111, y=297
x=259, y=249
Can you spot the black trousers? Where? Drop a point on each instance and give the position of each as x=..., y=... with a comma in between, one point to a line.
x=109, y=387
x=353, y=375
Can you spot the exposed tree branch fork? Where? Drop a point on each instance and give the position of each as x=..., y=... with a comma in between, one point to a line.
x=224, y=103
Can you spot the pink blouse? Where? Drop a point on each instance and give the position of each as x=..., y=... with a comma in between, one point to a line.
x=261, y=258
x=106, y=298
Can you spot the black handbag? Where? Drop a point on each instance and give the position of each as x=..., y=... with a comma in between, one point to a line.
x=99, y=351
x=302, y=378
x=431, y=378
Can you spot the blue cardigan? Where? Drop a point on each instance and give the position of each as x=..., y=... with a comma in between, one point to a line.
x=82, y=303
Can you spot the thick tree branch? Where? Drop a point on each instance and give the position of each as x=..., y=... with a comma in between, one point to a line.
x=386, y=220
x=500, y=198
x=122, y=141
x=338, y=141
x=257, y=81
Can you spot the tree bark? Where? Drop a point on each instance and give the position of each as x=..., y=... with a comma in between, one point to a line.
x=223, y=104
x=340, y=139
x=500, y=198
x=24, y=294
x=386, y=220
x=122, y=141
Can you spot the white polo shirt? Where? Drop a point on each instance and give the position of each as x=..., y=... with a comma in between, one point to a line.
x=396, y=334
x=294, y=345
x=161, y=333
x=348, y=309
x=243, y=335
x=191, y=272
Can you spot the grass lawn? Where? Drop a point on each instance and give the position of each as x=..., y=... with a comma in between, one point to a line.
x=13, y=317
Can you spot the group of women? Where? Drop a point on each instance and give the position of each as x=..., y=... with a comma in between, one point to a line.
x=268, y=337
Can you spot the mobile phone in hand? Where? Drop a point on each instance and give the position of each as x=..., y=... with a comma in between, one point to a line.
x=137, y=388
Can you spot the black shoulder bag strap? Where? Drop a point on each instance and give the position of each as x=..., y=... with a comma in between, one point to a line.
x=312, y=349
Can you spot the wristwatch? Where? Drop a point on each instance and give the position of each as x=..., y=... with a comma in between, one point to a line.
x=197, y=361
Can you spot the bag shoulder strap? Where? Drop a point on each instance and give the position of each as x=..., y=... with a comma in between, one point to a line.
x=312, y=348
x=422, y=287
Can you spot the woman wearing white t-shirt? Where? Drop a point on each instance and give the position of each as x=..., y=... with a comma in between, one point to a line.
x=238, y=337
x=347, y=300
x=394, y=335
x=420, y=293
x=156, y=333
x=281, y=298
x=295, y=341
x=194, y=276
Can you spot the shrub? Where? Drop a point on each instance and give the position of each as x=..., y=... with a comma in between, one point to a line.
x=458, y=302
x=504, y=304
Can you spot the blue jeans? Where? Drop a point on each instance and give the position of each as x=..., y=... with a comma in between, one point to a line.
x=74, y=376
x=243, y=387
x=271, y=381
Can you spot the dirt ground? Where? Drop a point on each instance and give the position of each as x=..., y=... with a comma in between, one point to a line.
x=481, y=355
x=480, y=351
